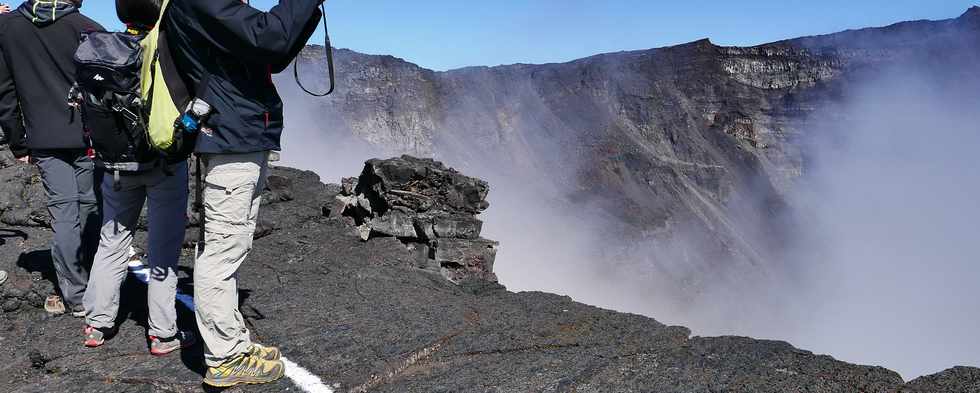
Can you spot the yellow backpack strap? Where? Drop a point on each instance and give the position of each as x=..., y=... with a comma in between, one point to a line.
x=150, y=43
x=161, y=86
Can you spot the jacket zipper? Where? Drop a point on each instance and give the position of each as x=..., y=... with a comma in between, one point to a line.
x=268, y=73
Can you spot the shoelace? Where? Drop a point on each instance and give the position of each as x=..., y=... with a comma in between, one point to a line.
x=249, y=366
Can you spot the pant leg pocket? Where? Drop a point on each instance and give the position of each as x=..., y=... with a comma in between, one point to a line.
x=228, y=193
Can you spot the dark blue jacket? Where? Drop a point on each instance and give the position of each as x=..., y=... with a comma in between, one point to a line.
x=226, y=52
x=37, y=48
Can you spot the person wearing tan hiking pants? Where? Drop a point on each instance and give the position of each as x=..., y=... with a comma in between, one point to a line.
x=227, y=51
x=233, y=185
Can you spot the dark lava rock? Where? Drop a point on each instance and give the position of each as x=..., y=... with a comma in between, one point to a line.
x=395, y=223
x=21, y=194
x=10, y=305
x=462, y=259
x=458, y=227
x=365, y=317
x=420, y=185
x=956, y=379
x=428, y=206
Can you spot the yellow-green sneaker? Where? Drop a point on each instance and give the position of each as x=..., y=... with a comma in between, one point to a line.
x=244, y=369
x=264, y=352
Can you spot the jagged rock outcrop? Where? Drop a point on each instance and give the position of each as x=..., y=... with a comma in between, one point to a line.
x=429, y=207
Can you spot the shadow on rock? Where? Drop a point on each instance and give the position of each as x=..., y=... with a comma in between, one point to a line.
x=6, y=233
x=39, y=262
x=133, y=306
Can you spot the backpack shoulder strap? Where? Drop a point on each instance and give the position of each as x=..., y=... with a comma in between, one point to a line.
x=175, y=83
x=162, y=54
x=163, y=89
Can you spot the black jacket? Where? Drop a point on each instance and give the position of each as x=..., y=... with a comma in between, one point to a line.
x=227, y=51
x=37, y=48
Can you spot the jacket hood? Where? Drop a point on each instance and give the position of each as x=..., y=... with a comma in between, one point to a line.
x=46, y=12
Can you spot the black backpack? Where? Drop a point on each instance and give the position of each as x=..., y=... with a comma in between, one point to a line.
x=107, y=92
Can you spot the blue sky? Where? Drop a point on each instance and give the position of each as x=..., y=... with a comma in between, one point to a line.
x=446, y=34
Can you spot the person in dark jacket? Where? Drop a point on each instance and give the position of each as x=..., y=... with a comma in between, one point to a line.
x=227, y=52
x=37, y=47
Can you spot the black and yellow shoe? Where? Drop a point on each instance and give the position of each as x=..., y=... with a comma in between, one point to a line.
x=264, y=352
x=244, y=369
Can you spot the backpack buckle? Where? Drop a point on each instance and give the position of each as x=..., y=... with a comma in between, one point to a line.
x=75, y=97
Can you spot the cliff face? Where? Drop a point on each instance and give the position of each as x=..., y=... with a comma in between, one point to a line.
x=695, y=141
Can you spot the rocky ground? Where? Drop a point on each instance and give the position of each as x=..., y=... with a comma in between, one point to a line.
x=364, y=316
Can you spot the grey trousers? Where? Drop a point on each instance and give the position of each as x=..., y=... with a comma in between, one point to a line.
x=68, y=177
x=167, y=196
x=233, y=185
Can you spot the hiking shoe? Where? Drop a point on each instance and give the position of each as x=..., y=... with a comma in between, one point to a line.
x=3, y=277
x=264, y=352
x=162, y=346
x=95, y=337
x=244, y=369
x=53, y=305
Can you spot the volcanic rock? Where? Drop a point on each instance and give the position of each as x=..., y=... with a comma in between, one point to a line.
x=369, y=317
x=427, y=206
x=420, y=185
x=956, y=379
x=462, y=258
x=459, y=227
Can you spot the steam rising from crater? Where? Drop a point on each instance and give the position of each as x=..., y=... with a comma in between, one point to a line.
x=890, y=256
x=883, y=267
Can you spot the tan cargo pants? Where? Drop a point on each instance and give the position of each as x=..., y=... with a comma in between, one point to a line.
x=233, y=185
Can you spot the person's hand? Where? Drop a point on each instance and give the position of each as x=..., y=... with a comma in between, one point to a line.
x=4, y=8
x=24, y=159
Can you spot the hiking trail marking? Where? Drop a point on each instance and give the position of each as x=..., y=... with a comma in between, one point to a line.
x=303, y=379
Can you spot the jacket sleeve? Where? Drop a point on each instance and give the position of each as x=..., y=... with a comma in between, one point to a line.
x=253, y=35
x=298, y=45
x=10, y=115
